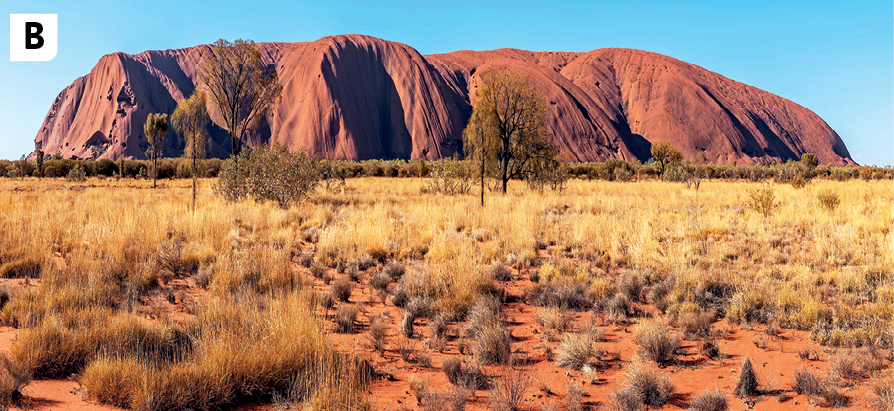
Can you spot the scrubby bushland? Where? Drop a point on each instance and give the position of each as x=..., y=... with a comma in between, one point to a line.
x=268, y=173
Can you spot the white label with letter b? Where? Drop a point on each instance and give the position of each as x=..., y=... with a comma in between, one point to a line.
x=33, y=37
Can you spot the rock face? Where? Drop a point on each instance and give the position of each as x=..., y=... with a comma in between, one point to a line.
x=358, y=97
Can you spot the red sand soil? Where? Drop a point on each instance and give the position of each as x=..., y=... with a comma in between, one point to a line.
x=359, y=97
x=775, y=364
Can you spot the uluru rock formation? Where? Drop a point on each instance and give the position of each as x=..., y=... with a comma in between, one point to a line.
x=358, y=97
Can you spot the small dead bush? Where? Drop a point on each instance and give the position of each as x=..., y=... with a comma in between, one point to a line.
x=653, y=389
x=380, y=281
x=711, y=400
x=317, y=270
x=746, y=384
x=625, y=399
x=420, y=306
x=575, y=351
x=406, y=325
x=509, y=390
x=807, y=383
x=377, y=333
x=342, y=288
x=345, y=318
x=655, y=341
x=883, y=392
x=492, y=343
x=499, y=272
x=13, y=378
x=395, y=270
x=553, y=318
x=399, y=296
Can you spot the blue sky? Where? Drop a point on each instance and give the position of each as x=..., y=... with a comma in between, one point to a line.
x=835, y=58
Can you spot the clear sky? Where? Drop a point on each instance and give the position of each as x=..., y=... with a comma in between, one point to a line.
x=833, y=57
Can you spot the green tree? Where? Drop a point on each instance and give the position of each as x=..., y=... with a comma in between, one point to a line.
x=38, y=155
x=809, y=160
x=155, y=128
x=190, y=119
x=507, y=130
x=240, y=86
x=665, y=153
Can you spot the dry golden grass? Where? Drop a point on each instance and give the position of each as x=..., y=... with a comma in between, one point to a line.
x=94, y=253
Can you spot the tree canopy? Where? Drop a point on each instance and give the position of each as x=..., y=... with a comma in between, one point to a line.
x=155, y=128
x=190, y=119
x=242, y=88
x=506, y=134
x=665, y=153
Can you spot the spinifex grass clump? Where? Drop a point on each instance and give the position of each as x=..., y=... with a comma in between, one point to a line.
x=254, y=348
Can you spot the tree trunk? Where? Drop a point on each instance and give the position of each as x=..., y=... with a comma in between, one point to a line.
x=505, y=176
x=194, y=178
x=154, y=168
x=483, y=158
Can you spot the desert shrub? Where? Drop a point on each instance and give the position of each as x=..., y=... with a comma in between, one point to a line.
x=438, y=326
x=812, y=385
x=13, y=378
x=828, y=199
x=843, y=366
x=651, y=388
x=575, y=351
x=406, y=325
x=564, y=295
x=268, y=173
x=373, y=168
x=696, y=324
x=625, y=399
x=345, y=318
x=453, y=399
x=394, y=270
x=76, y=174
x=469, y=376
x=318, y=270
x=746, y=383
x=548, y=172
x=655, y=341
x=509, y=390
x=795, y=173
x=342, y=288
x=883, y=392
x=449, y=176
x=399, y=296
x=711, y=400
x=377, y=332
x=499, y=272
x=492, y=343
x=630, y=283
x=420, y=307
x=554, y=318
x=574, y=401
x=453, y=369
x=364, y=262
x=616, y=308
x=325, y=300
x=762, y=200
x=380, y=281
x=332, y=177
x=209, y=168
